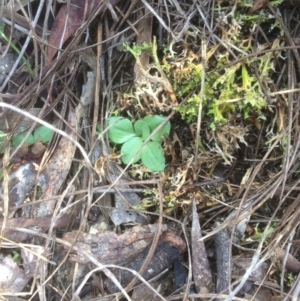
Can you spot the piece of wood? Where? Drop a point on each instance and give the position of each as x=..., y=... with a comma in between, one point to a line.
x=144, y=28
x=164, y=257
x=38, y=224
x=108, y=247
x=57, y=168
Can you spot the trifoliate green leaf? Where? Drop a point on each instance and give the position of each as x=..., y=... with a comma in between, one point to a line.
x=153, y=156
x=153, y=122
x=142, y=129
x=18, y=138
x=120, y=130
x=44, y=133
x=130, y=148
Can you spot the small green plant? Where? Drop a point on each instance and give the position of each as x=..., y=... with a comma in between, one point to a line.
x=42, y=132
x=16, y=257
x=137, y=50
x=290, y=279
x=15, y=48
x=230, y=86
x=132, y=136
x=259, y=231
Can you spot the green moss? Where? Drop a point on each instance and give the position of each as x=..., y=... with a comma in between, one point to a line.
x=232, y=83
x=230, y=86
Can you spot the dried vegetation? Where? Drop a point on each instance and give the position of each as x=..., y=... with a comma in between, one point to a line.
x=225, y=74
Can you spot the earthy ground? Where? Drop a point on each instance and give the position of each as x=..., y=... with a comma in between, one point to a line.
x=153, y=138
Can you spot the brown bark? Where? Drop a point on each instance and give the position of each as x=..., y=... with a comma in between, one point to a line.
x=164, y=257
x=108, y=247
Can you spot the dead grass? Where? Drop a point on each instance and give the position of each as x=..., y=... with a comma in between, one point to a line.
x=247, y=163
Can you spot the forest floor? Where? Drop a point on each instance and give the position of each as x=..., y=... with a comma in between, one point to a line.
x=153, y=138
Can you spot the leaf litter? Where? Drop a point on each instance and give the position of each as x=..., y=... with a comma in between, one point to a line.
x=231, y=158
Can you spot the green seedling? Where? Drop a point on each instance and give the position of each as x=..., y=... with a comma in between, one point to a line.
x=137, y=50
x=42, y=132
x=132, y=136
x=260, y=232
x=18, y=138
x=16, y=257
x=15, y=48
x=8, y=169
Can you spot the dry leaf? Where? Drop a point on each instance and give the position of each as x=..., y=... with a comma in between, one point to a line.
x=257, y=5
x=57, y=168
x=38, y=148
x=74, y=13
x=200, y=265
